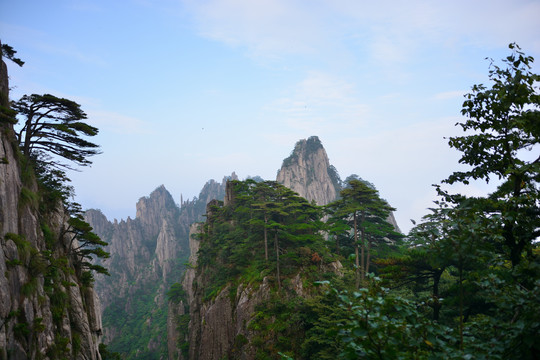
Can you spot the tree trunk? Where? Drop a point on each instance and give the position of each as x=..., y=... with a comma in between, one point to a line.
x=363, y=250
x=265, y=238
x=277, y=261
x=357, y=263
x=436, y=303
x=460, y=303
x=368, y=256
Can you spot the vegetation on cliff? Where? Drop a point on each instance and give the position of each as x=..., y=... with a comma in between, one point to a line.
x=266, y=233
x=465, y=282
x=48, y=306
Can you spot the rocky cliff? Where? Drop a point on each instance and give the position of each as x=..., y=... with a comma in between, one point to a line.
x=215, y=325
x=147, y=256
x=242, y=319
x=48, y=308
x=308, y=172
x=238, y=320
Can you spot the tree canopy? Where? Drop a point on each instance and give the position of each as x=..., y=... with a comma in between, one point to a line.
x=9, y=53
x=464, y=284
x=53, y=128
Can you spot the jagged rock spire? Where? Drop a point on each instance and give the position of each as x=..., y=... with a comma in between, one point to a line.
x=308, y=172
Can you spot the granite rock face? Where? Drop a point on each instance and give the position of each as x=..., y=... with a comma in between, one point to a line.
x=308, y=172
x=219, y=328
x=217, y=325
x=144, y=254
x=47, y=311
x=214, y=325
x=147, y=256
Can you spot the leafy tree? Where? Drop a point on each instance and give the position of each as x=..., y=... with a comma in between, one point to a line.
x=85, y=244
x=366, y=214
x=7, y=115
x=236, y=236
x=263, y=204
x=492, y=238
x=483, y=249
x=53, y=127
x=505, y=124
x=292, y=219
x=424, y=261
x=9, y=53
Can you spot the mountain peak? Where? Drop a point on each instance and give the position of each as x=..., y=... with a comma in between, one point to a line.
x=308, y=172
x=152, y=209
x=302, y=148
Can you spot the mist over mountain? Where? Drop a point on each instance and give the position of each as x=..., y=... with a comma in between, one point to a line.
x=147, y=256
x=149, y=252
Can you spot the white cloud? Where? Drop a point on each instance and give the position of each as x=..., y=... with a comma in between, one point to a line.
x=118, y=123
x=456, y=94
x=320, y=103
x=389, y=31
x=266, y=27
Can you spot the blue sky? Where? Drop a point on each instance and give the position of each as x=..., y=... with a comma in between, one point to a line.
x=187, y=91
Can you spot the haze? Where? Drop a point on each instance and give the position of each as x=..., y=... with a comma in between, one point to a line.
x=187, y=91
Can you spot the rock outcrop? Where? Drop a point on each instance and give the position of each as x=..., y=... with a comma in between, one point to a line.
x=215, y=325
x=308, y=172
x=147, y=256
x=48, y=309
x=224, y=326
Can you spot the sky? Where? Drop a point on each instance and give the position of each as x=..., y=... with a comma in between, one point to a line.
x=184, y=91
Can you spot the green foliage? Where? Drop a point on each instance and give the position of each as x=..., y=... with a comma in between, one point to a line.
x=52, y=127
x=312, y=144
x=38, y=325
x=505, y=123
x=108, y=355
x=14, y=262
x=384, y=325
x=176, y=293
x=60, y=348
x=53, y=278
x=75, y=343
x=477, y=257
x=21, y=330
x=235, y=242
x=278, y=327
x=182, y=325
x=7, y=116
x=139, y=321
x=28, y=197
x=25, y=250
x=85, y=244
x=30, y=287
x=9, y=53
x=464, y=285
x=87, y=279
x=48, y=236
x=361, y=212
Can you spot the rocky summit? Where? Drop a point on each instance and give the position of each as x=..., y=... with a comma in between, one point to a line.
x=147, y=255
x=308, y=172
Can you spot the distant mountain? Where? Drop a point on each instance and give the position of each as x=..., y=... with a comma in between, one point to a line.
x=149, y=253
x=147, y=256
x=308, y=172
